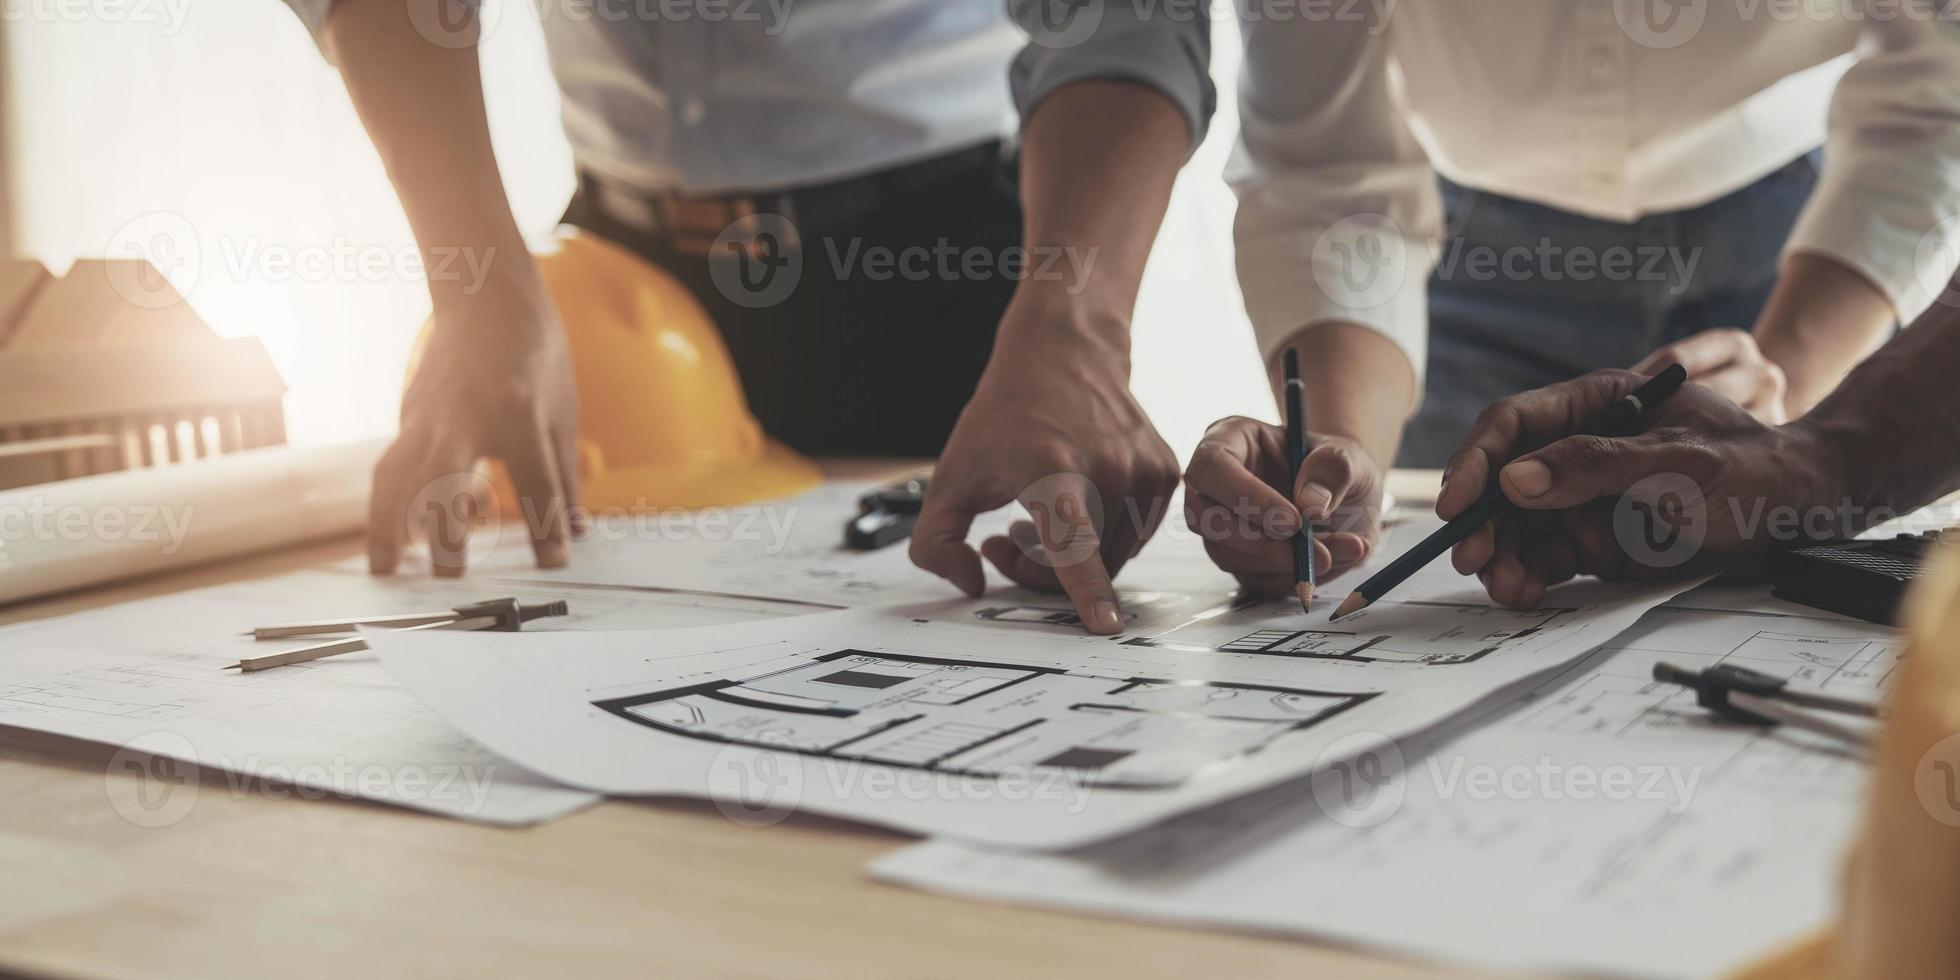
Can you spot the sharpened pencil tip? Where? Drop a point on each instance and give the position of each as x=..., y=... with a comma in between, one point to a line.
x=1305, y=591
x=236, y=666
x=1354, y=602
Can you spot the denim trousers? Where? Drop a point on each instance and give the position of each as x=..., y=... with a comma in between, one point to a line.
x=1525, y=295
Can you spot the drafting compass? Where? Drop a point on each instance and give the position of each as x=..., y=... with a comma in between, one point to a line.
x=505, y=615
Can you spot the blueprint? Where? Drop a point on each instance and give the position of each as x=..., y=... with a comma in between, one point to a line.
x=1587, y=820
x=1458, y=632
x=1170, y=585
x=790, y=550
x=1013, y=727
x=149, y=674
x=977, y=718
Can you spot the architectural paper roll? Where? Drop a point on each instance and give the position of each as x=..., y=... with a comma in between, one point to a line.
x=60, y=536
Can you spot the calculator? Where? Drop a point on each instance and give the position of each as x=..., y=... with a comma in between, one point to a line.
x=1866, y=578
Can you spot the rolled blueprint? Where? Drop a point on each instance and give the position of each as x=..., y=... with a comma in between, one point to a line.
x=86, y=531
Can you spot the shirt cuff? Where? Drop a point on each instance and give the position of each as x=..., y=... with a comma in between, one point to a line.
x=1110, y=41
x=1886, y=233
x=313, y=14
x=1362, y=270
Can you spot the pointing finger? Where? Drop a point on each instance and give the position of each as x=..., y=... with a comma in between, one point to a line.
x=1063, y=517
x=388, y=500
x=531, y=456
x=939, y=538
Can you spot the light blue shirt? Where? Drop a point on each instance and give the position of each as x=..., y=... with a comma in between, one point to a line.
x=716, y=96
x=1160, y=44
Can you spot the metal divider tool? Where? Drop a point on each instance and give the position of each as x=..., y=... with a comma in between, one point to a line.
x=1756, y=698
x=505, y=615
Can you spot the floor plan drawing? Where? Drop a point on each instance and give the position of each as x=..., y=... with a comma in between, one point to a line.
x=788, y=550
x=1424, y=633
x=1823, y=662
x=1022, y=608
x=1632, y=813
x=1048, y=615
x=967, y=701
x=1626, y=702
x=980, y=718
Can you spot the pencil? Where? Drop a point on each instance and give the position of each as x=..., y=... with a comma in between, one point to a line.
x=1620, y=418
x=1296, y=455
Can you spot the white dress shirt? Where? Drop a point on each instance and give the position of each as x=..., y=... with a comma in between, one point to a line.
x=720, y=96
x=1607, y=108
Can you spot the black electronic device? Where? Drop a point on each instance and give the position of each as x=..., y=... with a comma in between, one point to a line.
x=1866, y=578
x=886, y=515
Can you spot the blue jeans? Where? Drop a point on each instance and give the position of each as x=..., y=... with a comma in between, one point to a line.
x=1526, y=295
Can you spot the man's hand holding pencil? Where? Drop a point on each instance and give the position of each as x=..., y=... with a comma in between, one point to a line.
x=1619, y=506
x=1241, y=496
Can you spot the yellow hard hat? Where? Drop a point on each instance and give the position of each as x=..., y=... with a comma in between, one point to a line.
x=663, y=422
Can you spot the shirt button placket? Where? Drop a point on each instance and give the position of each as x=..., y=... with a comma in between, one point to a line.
x=688, y=44
x=1602, y=105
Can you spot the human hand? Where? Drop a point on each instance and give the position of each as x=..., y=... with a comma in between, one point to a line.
x=1241, y=498
x=1054, y=426
x=1706, y=484
x=1730, y=363
x=494, y=380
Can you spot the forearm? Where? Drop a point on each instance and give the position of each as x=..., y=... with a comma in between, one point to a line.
x=1359, y=385
x=1097, y=163
x=1890, y=434
x=1822, y=318
x=422, y=105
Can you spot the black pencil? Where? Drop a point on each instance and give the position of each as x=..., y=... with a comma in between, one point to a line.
x=1296, y=455
x=1618, y=419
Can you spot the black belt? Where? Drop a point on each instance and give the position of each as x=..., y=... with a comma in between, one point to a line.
x=692, y=223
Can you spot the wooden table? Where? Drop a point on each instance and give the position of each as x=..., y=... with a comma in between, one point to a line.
x=248, y=885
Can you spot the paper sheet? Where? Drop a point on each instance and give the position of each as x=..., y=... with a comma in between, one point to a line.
x=1014, y=732
x=789, y=549
x=1590, y=821
x=149, y=675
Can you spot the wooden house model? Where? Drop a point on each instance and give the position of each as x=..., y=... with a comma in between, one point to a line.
x=108, y=368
